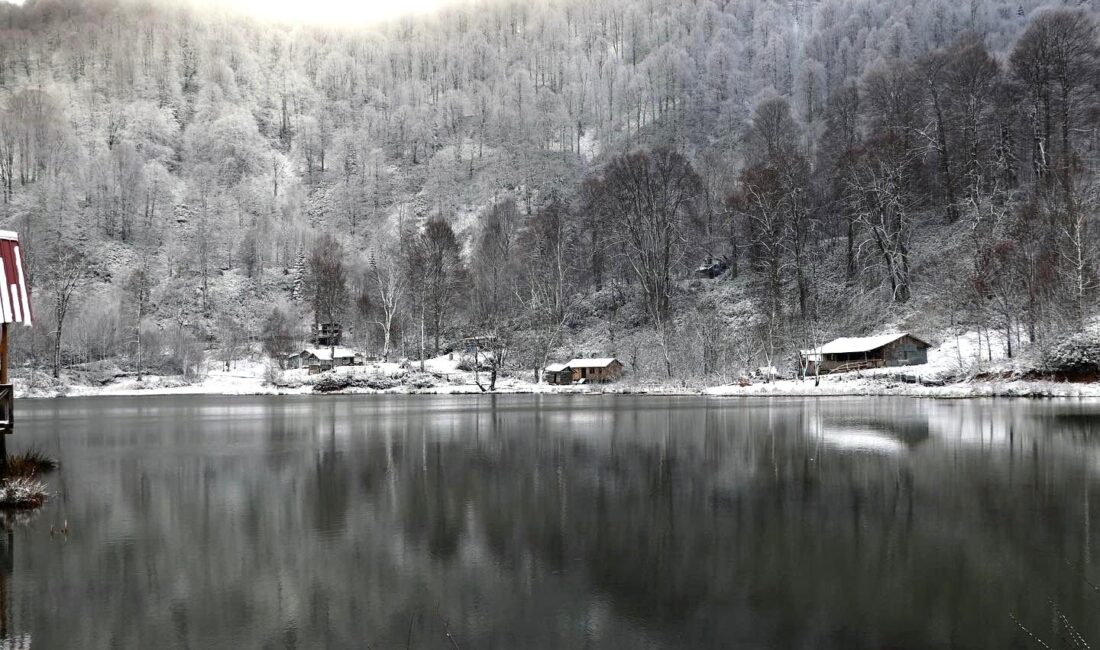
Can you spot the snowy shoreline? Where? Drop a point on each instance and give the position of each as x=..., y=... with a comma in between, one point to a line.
x=445, y=375
x=832, y=386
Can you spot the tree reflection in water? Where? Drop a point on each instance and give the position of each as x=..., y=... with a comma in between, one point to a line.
x=566, y=522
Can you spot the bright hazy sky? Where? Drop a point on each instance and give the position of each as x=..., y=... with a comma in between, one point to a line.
x=339, y=12
x=329, y=11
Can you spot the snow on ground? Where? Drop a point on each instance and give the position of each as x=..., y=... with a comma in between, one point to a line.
x=590, y=146
x=243, y=378
x=966, y=353
x=440, y=375
x=954, y=363
x=850, y=385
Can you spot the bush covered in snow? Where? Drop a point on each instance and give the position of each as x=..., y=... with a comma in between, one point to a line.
x=22, y=493
x=469, y=364
x=1075, y=355
x=422, y=381
x=331, y=383
x=97, y=373
x=377, y=382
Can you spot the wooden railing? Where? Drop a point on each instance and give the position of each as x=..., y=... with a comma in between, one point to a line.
x=863, y=364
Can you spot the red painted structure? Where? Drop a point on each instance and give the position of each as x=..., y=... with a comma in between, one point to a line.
x=15, y=307
x=15, y=303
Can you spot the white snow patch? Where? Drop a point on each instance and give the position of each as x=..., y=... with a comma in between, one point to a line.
x=590, y=146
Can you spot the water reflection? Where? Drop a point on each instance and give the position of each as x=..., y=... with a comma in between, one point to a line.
x=534, y=522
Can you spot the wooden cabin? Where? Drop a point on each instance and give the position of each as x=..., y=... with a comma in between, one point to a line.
x=595, y=370
x=585, y=371
x=864, y=352
x=322, y=359
x=557, y=373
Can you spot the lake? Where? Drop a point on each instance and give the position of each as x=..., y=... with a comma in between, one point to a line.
x=556, y=522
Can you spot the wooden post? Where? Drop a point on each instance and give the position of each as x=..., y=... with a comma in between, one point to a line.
x=4, y=381
x=4, y=354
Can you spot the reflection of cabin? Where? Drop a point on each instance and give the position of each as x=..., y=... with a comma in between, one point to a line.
x=322, y=359
x=884, y=434
x=327, y=334
x=583, y=371
x=863, y=352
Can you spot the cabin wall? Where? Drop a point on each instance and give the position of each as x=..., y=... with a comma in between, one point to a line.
x=598, y=374
x=560, y=378
x=906, y=352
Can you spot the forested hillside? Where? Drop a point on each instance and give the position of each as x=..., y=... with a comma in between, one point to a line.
x=191, y=184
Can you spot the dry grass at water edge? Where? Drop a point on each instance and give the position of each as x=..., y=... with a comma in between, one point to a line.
x=30, y=464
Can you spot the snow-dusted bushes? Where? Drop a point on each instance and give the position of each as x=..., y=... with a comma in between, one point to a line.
x=1076, y=356
x=22, y=493
x=21, y=489
x=273, y=374
x=331, y=383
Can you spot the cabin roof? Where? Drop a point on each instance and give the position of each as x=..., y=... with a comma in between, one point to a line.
x=856, y=344
x=556, y=367
x=591, y=363
x=15, y=303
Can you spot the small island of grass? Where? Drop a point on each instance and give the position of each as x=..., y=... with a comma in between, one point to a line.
x=21, y=487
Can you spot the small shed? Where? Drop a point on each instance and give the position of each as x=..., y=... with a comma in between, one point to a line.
x=864, y=352
x=595, y=370
x=321, y=359
x=557, y=373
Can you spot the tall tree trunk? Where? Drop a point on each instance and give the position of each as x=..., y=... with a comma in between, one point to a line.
x=57, y=352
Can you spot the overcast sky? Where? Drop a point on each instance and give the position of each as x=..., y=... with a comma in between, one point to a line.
x=324, y=11
x=331, y=11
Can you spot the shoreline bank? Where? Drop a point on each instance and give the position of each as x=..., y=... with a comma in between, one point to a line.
x=835, y=386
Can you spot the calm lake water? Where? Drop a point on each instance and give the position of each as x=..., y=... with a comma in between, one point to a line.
x=557, y=522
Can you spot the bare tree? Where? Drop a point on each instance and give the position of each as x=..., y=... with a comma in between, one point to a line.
x=139, y=288
x=66, y=270
x=279, y=332
x=389, y=282
x=546, y=245
x=885, y=206
x=650, y=196
x=1056, y=60
x=432, y=262
x=328, y=284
